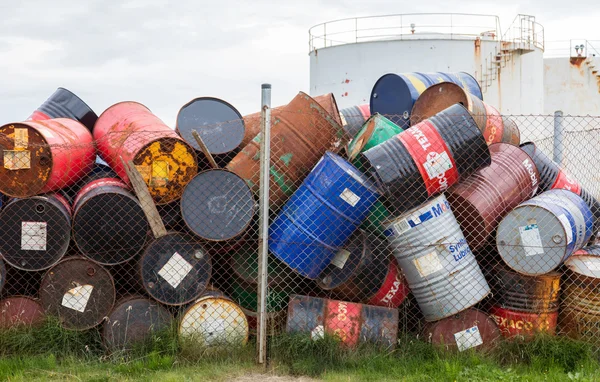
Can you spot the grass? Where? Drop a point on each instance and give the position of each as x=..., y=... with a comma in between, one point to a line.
x=51, y=353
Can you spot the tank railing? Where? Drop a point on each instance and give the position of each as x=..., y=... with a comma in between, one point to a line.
x=403, y=26
x=525, y=33
x=572, y=48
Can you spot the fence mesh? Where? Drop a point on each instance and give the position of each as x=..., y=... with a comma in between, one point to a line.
x=455, y=230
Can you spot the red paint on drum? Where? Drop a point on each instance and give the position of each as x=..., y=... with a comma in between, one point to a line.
x=565, y=182
x=513, y=323
x=394, y=289
x=344, y=320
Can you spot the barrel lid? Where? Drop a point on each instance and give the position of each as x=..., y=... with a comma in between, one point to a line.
x=218, y=123
x=391, y=97
x=436, y=98
x=20, y=310
x=377, y=125
x=585, y=262
x=217, y=205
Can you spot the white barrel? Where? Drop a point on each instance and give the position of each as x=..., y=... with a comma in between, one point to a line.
x=439, y=266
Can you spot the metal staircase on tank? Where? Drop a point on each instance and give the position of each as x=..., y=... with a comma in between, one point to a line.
x=523, y=36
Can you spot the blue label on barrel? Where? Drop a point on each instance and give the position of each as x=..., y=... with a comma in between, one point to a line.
x=434, y=209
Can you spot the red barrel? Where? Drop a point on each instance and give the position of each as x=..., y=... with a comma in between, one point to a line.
x=129, y=131
x=20, y=311
x=523, y=324
x=481, y=200
x=44, y=156
x=65, y=104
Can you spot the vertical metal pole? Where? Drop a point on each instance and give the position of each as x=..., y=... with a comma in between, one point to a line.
x=265, y=161
x=558, y=137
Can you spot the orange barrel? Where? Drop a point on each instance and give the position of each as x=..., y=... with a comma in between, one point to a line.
x=252, y=121
x=301, y=133
x=44, y=156
x=481, y=201
x=469, y=329
x=129, y=131
x=494, y=127
x=20, y=311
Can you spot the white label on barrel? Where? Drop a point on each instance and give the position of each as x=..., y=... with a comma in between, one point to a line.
x=78, y=297
x=428, y=264
x=317, y=333
x=349, y=197
x=401, y=226
x=340, y=258
x=567, y=226
x=437, y=164
x=531, y=240
x=33, y=236
x=593, y=265
x=21, y=139
x=216, y=331
x=175, y=270
x=17, y=160
x=468, y=338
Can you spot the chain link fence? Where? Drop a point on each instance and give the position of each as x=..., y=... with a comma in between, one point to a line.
x=460, y=230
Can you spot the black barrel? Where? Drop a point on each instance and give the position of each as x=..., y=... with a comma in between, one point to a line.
x=427, y=158
x=109, y=224
x=79, y=292
x=35, y=231
x=217, y=205
x=133, y=321
x=553, y=177
x=2, y=275
x=65, y=104
x=175, y=269
x=99, y=171
x=218, y=123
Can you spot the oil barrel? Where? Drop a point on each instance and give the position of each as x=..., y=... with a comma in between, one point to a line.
x=394, y=95
x=327, y=208
x=443, y=95
x=109, y=224
x=79, y=292
x=553, y=177
x=470, y=329
x=218, y=123
x=438, y=264
x=43, y=156
x=359, y=272
x=541, y=233
x=426, y=159
x=300, y=134
x=353, y=118
x=37, y=231
x=175, y=269
x=63, y=103
x=217, y=205
x=214, y=321
x=352, y=323
x=128, y=131
x=132, y=321
x=19, y=311
x=483, y=199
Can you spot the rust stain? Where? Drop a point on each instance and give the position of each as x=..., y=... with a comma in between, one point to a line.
x=577, y=61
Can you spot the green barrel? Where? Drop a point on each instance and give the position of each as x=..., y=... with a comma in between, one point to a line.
x=376, y=130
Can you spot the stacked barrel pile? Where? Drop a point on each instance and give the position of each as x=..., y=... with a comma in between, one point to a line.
x=422, y=212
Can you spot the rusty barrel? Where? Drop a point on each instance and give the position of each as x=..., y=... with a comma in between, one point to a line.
x=353, y=118
x=79, y=292
x=579, y=315
x=524, y=305
x=394, y=95
x=494, y=127
x=553, y=177
x=363, y=271
x=43, y=156
x=352, y=323
x=109, y=224
x=175, y=269
x=300, y=134
x=327, y=208
x=252, y=121
x=132, y=321
x=217, y=205
x=426, y=159
x=480, y=201
x=541, y=233
x=470, y=329
x=63, y=103
x=438, y=264
x=37, y=231
x=218, y=123
x=214, y=320
x=16, y=311
x=128, y=131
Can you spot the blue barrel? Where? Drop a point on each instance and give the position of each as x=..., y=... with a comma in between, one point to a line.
x=318, y=219
x=540, y=234
x=395, y=94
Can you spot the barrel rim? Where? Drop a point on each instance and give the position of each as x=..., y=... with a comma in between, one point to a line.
x=119, y=104
x=390, y=74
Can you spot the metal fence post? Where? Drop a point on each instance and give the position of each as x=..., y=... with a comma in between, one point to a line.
x=558, y=137
x=265, y=155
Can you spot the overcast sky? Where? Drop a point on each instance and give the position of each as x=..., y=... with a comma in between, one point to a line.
x=163, y=53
